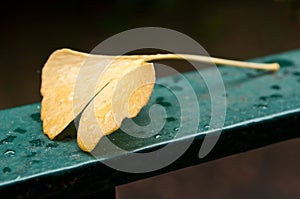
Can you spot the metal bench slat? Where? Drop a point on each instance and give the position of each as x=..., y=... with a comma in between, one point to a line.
x=262, y=108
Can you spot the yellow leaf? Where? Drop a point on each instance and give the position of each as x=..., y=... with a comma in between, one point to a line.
x=109, y=89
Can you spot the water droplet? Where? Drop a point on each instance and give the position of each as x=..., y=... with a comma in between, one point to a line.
x=275, y=87
x=6, y=169
x=34, y=161
x=296, y=73
x=176, y=129
x=264, y=98
x=170, y=119
x=159, y=99
x=157, y=136
x=36, y=117
x=165, y=104
x=276, y=96
x=224, y=95
x=9, y=153
x=38, y=107
x=36, y=143
x=273, y=96
x=8, y=139
x=261, y=106
x=19, y=130
x=206, y=126
x=51, y=145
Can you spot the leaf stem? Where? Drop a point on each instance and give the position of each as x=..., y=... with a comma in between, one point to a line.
x=206, y=59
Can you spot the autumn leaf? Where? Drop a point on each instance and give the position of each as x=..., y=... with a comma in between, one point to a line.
x=115, y=87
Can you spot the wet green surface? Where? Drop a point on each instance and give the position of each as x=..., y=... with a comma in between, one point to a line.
x=253, y=97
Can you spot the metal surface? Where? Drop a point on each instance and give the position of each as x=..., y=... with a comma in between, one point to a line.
x=262, y=108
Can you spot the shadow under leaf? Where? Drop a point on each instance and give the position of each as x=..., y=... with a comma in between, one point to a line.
x=69, y=133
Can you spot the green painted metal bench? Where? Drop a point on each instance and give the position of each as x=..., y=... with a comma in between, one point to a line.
x=262, y=108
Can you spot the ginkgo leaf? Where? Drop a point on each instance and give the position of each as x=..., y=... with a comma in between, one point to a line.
x=111, y=88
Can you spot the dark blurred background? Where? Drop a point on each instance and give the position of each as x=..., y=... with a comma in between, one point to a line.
x=231, y=29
